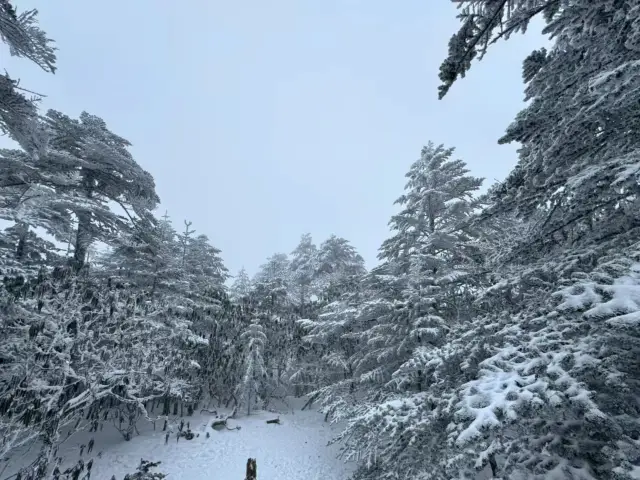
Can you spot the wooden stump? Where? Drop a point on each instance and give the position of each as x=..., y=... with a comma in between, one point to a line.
x=252, y=470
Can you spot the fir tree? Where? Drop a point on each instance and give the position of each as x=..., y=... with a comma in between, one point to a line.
x=338, y=265
x=18, y=114
x=303, y=268
x=252, y=391
x=241, y=287
x=99, y=169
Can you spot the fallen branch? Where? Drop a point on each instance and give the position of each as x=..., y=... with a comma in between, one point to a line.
x=312, y=398
x=275, y=420
x=222, y=422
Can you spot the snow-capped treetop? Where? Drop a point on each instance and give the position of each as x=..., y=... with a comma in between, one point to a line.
x=439, y=195
x=241, y=287
x=337, y=256
x=277, y=267
x=89, y=166
x=204, y=264
x=303, y=267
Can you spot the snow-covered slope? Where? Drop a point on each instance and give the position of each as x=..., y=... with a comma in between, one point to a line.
x=295, y=449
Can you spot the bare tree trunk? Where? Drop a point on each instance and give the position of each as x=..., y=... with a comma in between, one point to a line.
x=132, y=417
x=252, y=470
x=23, y=231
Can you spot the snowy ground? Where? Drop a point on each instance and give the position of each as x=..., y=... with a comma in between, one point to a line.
x=294, y=450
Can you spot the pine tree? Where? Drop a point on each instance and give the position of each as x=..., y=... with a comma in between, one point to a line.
x=387, y=340
x=327, y=368
x=338, y=265
x=203, y=265
x=102, y=170
x=273, y=299
x=272, y=287
x=18, y=114
x=241, y=287
x=252, y=391
x=24, y=253
x=303, y=268
x=146, y=258
x=578, y=147
x=439, y=196
x=548, y=333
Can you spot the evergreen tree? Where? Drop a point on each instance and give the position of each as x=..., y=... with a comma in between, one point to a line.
x=272, y=287
x=427, y=261
x=438, y=198
x=24, y=253
x=252, y=391
x=203, y=265
x=18, y=114
x=338, y=265
x=241, y=287
x=578, y=147
x=303, y=268
x=98, y=169
x=386, y=339
x=573, y=190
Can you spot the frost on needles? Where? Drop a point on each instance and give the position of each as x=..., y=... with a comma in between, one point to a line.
x=497, y=338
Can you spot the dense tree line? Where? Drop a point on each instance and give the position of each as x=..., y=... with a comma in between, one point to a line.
x=498, y=336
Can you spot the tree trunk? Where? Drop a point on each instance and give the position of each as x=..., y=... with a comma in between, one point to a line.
x=21, y=248
x=132, y=418
x=83, y=240
x=166, y=406
x=252, y=470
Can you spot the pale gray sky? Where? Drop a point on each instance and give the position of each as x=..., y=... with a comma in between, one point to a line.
x=264, y=120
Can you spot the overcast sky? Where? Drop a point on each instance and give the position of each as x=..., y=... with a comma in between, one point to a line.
x=264, y=120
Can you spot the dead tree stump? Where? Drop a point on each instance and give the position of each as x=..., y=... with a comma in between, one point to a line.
x=252, y=470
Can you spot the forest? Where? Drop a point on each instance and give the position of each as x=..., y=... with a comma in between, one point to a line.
x=497, y=337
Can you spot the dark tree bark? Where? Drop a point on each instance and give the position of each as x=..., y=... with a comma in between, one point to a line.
x=252, y=470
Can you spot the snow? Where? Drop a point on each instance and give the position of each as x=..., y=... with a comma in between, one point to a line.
x=295, y=449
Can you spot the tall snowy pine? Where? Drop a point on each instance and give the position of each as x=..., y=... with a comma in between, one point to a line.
x=252, y=392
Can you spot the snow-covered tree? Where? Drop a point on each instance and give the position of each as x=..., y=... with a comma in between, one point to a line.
x=222, y=362
x=89, y=166
x=203, y=265
x=550, y=349
x=241, y=287
x=23, y=253
x=439, y=197
x=338, y=264
x=303, y=268
x=327, y=367
x=272, y=283
x=146, y=258
x=18, y=114
x=378, y=342
x=579, y=149
x=252, y=392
